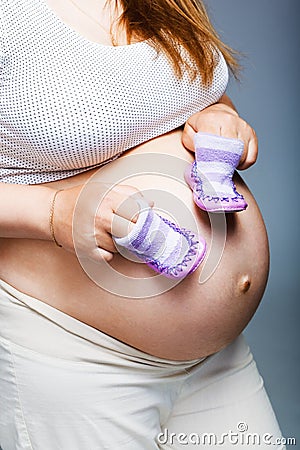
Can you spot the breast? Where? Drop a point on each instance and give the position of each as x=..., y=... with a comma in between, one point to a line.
x=68, y=104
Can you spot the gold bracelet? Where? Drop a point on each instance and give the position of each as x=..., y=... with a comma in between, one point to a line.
x=51, y=218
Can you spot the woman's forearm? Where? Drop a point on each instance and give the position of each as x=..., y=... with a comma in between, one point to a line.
x=225, y=100
x=36, y=212
x=24, y=211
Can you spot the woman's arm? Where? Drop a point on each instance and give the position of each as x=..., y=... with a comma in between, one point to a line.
x=29, y=212
x=24, y=211
x=225, y=100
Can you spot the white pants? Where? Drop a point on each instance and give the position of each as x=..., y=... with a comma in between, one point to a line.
x=67, y=386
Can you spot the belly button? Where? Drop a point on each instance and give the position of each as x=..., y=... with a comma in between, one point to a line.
x=244, y=284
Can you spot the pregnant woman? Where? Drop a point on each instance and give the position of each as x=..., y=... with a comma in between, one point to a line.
x=84, y=367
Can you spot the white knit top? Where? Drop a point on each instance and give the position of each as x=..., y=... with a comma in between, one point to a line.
x=68, y=104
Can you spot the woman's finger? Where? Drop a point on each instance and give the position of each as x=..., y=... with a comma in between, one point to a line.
x=104, y=254
x=251, y=152
x=120, y=227
x=188, y=137
x=205, y=127
x=100, y=255
x=128, y=209
x=130, y=201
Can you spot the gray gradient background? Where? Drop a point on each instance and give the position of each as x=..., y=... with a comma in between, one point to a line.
x=268, y=98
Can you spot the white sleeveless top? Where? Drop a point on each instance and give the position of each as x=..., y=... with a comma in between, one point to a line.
x=68, y=104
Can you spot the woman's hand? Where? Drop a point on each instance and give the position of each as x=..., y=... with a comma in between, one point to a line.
x=87, y=224
x=223, y=120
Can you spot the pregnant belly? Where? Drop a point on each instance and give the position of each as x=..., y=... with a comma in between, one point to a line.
x=195, y=318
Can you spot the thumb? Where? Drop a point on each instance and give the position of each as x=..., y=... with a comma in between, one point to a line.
x=188, y=137
x=100, y=255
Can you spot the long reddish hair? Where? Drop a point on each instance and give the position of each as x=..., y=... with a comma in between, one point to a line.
x=171, y=25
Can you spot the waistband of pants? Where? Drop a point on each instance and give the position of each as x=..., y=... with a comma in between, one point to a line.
x=39, y=327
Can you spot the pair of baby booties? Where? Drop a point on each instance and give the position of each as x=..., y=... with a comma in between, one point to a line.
x=169, y=249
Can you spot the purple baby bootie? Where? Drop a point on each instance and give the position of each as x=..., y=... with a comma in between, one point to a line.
x=210, y=176
x=168, y=249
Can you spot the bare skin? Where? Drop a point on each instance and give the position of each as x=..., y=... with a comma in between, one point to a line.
x=189, y=321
